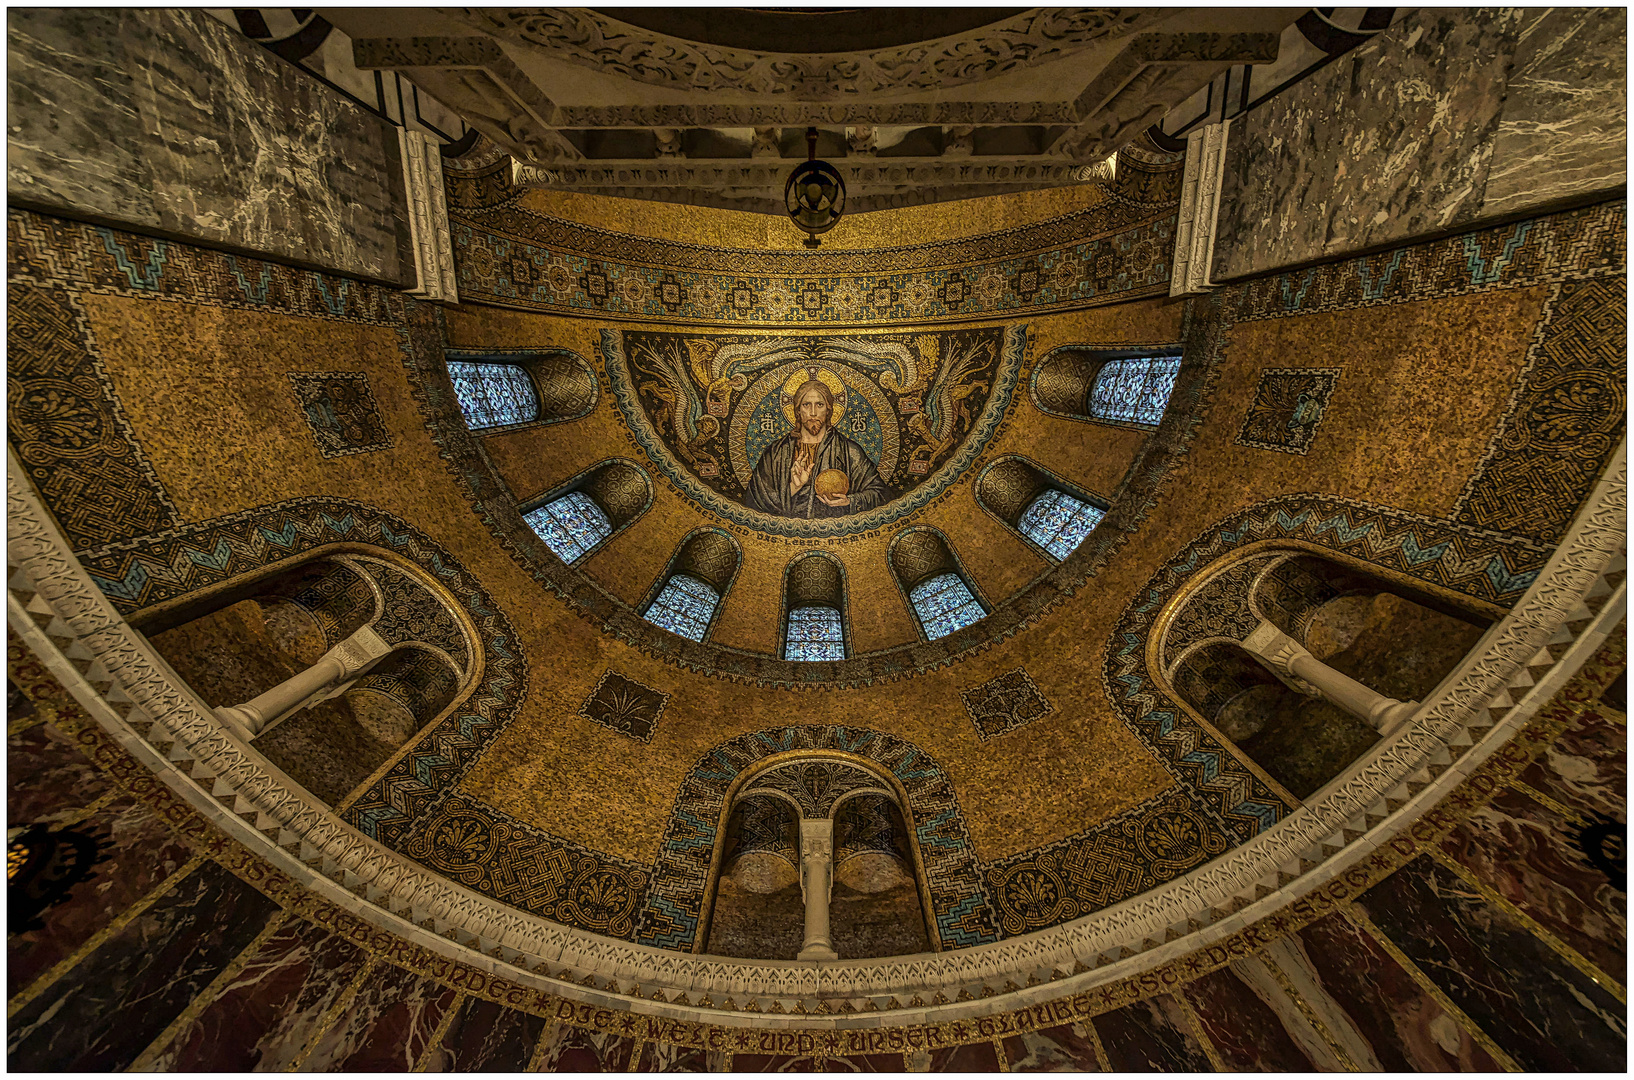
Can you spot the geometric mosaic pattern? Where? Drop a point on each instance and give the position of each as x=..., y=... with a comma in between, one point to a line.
x=625, y=706
x=1004, y=703
x=1565, y=419
x=341, y=411
x=1116, y=250
x=493, y=853
x=69, y=431
x=1288, y=407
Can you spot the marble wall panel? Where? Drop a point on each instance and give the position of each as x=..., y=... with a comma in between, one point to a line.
x=47, y=778
x=1538, y=1008
x=1403, y=1027
x=667, y=1057
x=138, y=852
x=262, y=1018
x=1586, y=768
x=1151, y=1036
x=575, y=1049
x=1449, y=118
x=1068, y=1048
x=386, y=1026
x=1247, y=1032
x=1565, y=114
x=486, y=1037
x=168, y=121
x=865, y=1063
x=972, y=1057
x=114, y=1002
x=1525, y=851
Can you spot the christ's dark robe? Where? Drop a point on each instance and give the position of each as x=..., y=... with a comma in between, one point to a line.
x=769, y=486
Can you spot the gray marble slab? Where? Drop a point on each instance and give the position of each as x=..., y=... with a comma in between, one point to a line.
x=1450, y=118
x=168, y=121
x=1564, y=129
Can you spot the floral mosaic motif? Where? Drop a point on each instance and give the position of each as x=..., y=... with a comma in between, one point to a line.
x=480, y=847
x=1289, y=405
x=68, y=428
x=625, y=706
x=1565, y=420
x=1137, y=850
x=1005, y=703
x=341, y=410
x=493, y=395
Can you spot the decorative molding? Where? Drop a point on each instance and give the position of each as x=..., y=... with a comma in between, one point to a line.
x=1569, y=610
x=1199, y=210
x=428, y=218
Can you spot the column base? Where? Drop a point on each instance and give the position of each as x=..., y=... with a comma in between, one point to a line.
x=818, y=952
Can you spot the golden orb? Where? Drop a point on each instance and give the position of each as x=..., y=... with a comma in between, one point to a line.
x=833, y=482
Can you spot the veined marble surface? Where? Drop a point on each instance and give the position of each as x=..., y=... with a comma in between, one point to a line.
x=1450, y=118
x=166, y=120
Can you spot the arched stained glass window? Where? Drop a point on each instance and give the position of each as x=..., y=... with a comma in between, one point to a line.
x=1135, y=390
x=815, y=633
x=494, y=395
x=684, y=607
x=1058, y=523
x=945, y=604
x=571, y=525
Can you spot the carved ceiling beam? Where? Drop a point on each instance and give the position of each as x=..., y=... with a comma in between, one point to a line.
x=821, y=114
x=474, y=77
x=860, y=173
x=1153, y=74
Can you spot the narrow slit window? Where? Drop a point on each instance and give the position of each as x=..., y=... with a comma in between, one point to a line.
x=493, y=395
x=1058, y=523
x=1134, y=391
x=684, y=606
x=945, y=604
x=570, y=525
x=815, y=633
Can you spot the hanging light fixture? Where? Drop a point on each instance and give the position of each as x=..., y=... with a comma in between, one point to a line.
x=814, y=193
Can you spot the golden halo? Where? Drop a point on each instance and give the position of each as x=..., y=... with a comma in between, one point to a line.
x=806, y=374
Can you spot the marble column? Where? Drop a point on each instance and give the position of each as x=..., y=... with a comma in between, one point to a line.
x=332, y=674
x=816, y=885
x=1294, y=664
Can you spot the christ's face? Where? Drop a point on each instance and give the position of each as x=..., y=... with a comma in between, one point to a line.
x=813, y=411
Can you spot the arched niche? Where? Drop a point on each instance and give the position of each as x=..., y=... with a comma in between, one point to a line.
x=529, y=388
x=393, y=649
x=686, y=598
x=1304, y=660
x=839, y=822
x=1121, y=386
x=578, y=518
x=941, y=596
x=1051, y=514
x=815, y=624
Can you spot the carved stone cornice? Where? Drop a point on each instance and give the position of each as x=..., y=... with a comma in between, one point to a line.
x=114, y=674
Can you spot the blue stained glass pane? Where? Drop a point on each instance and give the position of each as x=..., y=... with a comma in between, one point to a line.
x=1134, y=391
x=1058, y=523
x=945, y=604
x=493, y=395
x=571, y=525
x=815, y=633
x=684, y=607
